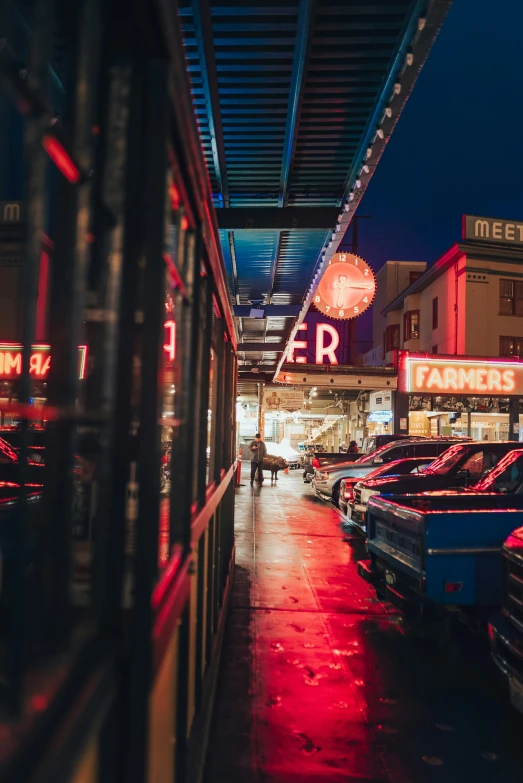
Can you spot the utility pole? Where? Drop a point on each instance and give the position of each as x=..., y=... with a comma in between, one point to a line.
x=355, y=223
x=354, y=249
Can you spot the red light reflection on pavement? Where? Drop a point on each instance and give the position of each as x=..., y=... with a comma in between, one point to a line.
x=321, y=682
x=295, y=671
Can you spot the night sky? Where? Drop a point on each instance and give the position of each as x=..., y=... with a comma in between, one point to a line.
x=457, y=145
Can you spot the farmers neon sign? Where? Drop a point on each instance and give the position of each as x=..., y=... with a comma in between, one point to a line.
x=429, y=375
x=39, y=362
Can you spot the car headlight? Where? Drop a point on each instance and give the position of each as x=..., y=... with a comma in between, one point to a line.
x=322, y=476
x=366, y=494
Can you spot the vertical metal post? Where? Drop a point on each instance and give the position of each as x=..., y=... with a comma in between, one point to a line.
x=401, y=413
x=146, y=555
x=261, y=416
x=116, y=299
x=37, y=77
x=513, y=427
x=68, y=284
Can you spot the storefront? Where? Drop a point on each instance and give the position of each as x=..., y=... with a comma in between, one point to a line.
x=39, y=366
x=379, y=419
x=461, y=396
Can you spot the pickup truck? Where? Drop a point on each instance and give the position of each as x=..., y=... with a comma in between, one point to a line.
x=441, y=550
x=460, y=466
x=506, y=627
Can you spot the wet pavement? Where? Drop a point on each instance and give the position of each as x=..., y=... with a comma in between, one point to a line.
x=320, y=681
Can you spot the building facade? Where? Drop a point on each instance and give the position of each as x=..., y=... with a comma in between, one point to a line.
x=469, y=303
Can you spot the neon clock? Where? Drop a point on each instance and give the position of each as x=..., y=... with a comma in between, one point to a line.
x=347, y=287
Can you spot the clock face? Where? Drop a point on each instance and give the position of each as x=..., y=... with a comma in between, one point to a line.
x=347, y=287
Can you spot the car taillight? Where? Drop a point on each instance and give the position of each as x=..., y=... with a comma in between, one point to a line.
x=315, y=462
x=453, y=587
x=348, y=494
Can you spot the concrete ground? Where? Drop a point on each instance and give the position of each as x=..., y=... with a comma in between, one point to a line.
x=320, y=681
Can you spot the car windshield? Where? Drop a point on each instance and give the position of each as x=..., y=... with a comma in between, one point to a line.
x=371, y=456
x=506, y=476
x=447, y=461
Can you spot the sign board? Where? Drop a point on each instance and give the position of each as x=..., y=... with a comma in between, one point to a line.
x=459, y=375
x=11, y=212
x=381, y=417
x=321, y=340
x=39, y=363
x=347, y=287
x=278, y=399
x=380, y=401
x=493, y=230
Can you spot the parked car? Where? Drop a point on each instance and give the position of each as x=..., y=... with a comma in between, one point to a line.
x=398, y=469
x=326, y=481
x=506, y=627
x=461, y=465
x=373, y=442
x=320, y=459
x=442, y=549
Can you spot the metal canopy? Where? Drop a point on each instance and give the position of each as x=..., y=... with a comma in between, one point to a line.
x=295, y=102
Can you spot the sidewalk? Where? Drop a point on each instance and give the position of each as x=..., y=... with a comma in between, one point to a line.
x=322, y=682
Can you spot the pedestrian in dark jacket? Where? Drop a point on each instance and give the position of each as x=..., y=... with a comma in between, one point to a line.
x=258, y=451
x=353, y=447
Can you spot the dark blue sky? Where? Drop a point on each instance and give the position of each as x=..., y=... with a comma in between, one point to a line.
x=457, y=146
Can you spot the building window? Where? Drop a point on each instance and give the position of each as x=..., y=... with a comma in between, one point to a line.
x=510, y=297
x=413, y=276
x=435, y=313
x=434, y=349
x=511, y=346
x=411, y=325
x=392, y=338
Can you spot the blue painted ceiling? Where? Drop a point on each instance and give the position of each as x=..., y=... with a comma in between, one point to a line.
x=286, y=95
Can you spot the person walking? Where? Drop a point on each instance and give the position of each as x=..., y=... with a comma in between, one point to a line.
x=353, y=447
x=258, y=451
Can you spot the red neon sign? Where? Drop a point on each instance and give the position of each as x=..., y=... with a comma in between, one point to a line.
x=170, y=340
x=323, y=350
x=39, y=362
x=468, y=375
x=61, y=158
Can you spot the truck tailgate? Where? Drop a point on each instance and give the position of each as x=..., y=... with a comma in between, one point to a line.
x=455, y=553
x=395, y=534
